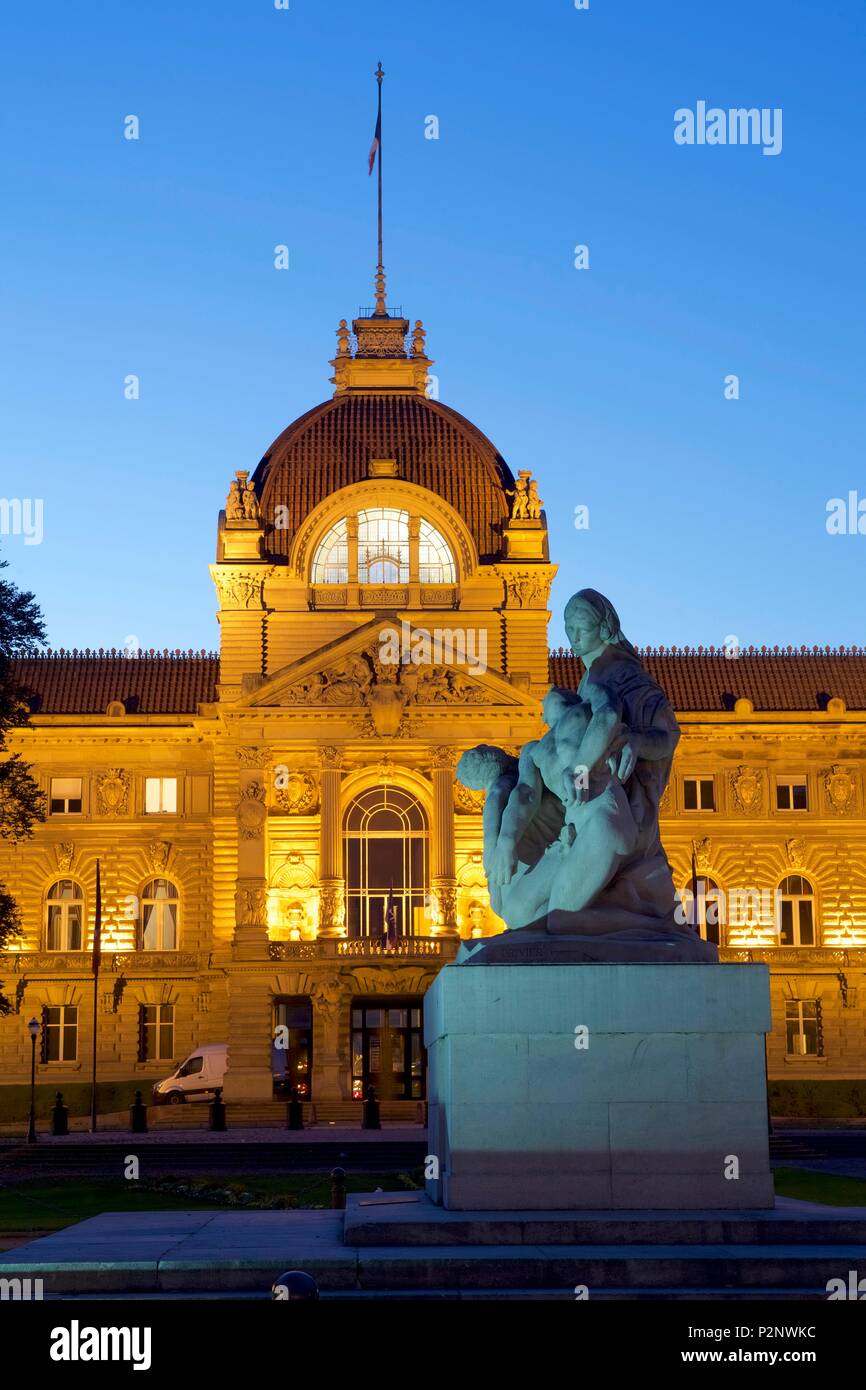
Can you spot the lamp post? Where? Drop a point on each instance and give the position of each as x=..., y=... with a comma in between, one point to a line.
x=33, y=1030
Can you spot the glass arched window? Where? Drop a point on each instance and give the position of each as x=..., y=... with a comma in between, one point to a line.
x=383, y=546
x=435, y=561
x=796, y=911
x=64, y=918
x=710, y=914
x=331, y=561
x=159, y=914
x=385, y=863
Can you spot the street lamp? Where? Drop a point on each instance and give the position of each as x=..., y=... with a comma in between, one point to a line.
x=33, y=1030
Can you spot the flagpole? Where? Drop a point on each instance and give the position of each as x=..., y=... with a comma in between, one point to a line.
x=97, y=934
x=380, y=271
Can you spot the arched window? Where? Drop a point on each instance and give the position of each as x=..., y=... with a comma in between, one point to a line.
x=385, y=863
x=331, y=561
x=64, y=916
x=796, y=911
x=383, y=546
x=710, y=914
x=435, y=561
x=159, y=914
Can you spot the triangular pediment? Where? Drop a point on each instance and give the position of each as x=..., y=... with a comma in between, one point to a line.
x=388, y=656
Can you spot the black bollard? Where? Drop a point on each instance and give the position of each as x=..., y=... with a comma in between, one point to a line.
x=138, y=1115
x=294, y=1112
x=370, y=1118
x=218, y=1111
x=60, y=1116
x=294, y=1284
x=338, y=1189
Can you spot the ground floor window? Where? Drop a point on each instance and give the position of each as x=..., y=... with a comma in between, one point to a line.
x=388, y=1049
x=803, y=1028
x=60, y=1033
x=156, y=1032
x=292, y=1048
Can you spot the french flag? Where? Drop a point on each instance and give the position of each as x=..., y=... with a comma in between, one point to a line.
x=377, y=140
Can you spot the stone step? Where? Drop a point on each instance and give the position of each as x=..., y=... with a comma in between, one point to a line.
x=798, y=1270
x=410, y=1219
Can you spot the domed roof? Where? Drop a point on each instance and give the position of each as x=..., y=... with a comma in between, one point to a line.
x=331, y=446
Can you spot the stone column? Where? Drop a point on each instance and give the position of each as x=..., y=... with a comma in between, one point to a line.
x=332, y=888
x=443, y=877
x=249, y=1077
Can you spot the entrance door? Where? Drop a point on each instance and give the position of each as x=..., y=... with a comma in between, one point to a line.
x=292, y=1048
x=388, y=1050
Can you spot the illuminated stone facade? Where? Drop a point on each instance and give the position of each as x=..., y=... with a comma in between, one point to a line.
x=279, y=831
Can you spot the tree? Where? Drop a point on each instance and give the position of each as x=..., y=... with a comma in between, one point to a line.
x=22, y=804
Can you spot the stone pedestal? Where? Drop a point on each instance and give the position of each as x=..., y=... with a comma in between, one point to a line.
x=575, y=1087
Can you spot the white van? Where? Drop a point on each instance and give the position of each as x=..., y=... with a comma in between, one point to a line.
x=196, y=1078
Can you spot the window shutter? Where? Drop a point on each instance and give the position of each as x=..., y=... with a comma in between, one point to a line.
x=819, y=1029
x=142, y=1054
x=43, y=1037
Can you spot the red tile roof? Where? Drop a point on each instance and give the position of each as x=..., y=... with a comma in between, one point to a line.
x=177, y=682
x=773, y=678
x=87, y=682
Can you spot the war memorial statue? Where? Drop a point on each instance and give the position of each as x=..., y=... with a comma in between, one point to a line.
x=574, y=863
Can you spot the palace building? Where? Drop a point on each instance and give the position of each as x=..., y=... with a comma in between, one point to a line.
x=283, y=847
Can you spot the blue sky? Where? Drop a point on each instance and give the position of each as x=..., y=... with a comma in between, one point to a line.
x=155, y=257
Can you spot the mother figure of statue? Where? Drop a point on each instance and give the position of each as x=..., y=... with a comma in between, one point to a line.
x=598, y=871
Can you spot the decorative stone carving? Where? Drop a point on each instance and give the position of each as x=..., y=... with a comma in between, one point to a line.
x=234, y=501
x=258, y=755
x=252, y=907
x=248, y=497
x=327, y=996
x=112, y=792
x=298, y=796
x=239, y=589
x=251, y=811
x=293, y=950
x=332, y=908
x=525, y=588
x=468, y=801
x=795, y=852
x=443, y=757
x=157, y=855
x=665, y=802
x=747, y=790
x=331, y=757
x=65, y=853
x=702, y=854
x=841, y=787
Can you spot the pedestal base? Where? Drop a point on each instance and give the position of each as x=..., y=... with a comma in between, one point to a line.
x=599, y=1087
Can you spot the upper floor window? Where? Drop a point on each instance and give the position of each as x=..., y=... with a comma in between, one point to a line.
x=64, y=924
x=383, y=545
x=160, y=795
x=792, y=794
x=435, y=561
x=331, y=562
x=699, y=794
x=796, y=899
x=65, y=798
x=159, y=910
